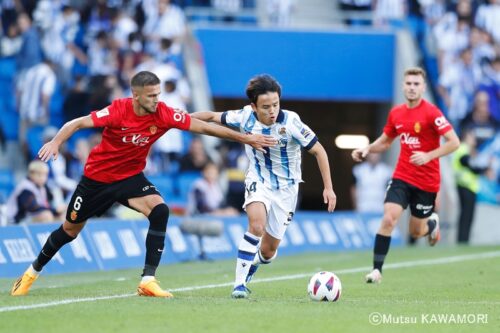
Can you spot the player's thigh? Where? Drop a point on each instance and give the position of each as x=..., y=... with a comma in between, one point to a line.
x=90, y=199
x=257, y=204
x=138, y=193
x=146, y=203
x=398, y=193
x=422, y=203
x=282, y=211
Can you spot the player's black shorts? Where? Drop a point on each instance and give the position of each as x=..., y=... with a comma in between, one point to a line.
x=421, y=202
x=92, y=198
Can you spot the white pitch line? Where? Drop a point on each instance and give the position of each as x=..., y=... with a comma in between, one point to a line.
x=415, y=263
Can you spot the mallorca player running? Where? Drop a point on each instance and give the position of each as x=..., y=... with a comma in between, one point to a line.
x=273, y=177
x=416, y=179
x=113, y=172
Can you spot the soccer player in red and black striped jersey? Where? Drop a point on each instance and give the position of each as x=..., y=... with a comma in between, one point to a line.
x=113, y=172
x=416, y=179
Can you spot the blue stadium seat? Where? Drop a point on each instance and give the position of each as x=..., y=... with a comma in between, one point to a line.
x=6, y=184
x=185, y=181
x=164, y=184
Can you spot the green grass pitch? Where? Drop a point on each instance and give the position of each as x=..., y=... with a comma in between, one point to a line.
x=421, y=286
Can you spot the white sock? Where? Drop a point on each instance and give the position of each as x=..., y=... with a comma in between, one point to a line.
x=33, y=271
x=147, y=278
x=246, y=255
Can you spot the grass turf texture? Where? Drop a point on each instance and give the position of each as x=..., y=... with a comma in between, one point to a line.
x=455, y=288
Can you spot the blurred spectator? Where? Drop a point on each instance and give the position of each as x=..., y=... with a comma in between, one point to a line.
x=351, y=6
x=169, y=147
x=229, y=8
x=78, y=159
x=479, y=121
x=206, y=196
x=488, y=18
x=452, y=33
x=491, y=84
x=76, y=102
x=457, y=85
x=58, y=167
x=235, y=163
x=389, y=12
x=11, y=41
x=30, y=53
x=196, y=158
x=122, y=26
x=34, y=89
x=103, y=57
x=370, y=183
x=467, y=179
x=167, y=21
x=31, y=200
x=280, y=12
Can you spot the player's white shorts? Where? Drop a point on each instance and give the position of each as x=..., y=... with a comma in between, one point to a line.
x=280, y=205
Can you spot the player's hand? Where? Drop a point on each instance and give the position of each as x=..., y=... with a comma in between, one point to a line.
x=330, y=199
x=359, y=155
x=419, y=158
x=50, y=149
x=260, y=141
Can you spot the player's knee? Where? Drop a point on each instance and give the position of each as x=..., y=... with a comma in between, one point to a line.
x=256, y=229
x=158, y=217
x=389, y=221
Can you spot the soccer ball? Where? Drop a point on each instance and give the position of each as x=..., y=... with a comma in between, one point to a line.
x=324, y=286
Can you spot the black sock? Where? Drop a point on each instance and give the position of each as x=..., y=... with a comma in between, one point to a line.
x=155, y=240
x=56, y=240
x=432, y=225
x=380, y=250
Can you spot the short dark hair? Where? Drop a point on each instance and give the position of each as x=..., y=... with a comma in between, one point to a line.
x=260, y=85
x=144, y=78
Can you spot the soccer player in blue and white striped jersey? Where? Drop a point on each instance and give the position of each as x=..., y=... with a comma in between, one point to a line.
x=273, y=177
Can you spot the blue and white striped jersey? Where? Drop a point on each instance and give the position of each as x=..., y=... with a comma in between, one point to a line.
x=280, y=166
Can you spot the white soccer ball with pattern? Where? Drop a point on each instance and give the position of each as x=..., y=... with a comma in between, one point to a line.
x=324, y=286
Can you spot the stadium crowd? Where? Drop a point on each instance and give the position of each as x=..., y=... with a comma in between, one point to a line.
x=74, y=56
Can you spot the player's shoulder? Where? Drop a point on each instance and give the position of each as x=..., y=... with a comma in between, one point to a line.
x=121, y=105
x=429, y=107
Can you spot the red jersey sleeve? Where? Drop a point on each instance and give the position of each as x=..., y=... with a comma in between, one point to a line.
x=439, y=121
x=106, y=116
x=389, y=128
x=173, y=119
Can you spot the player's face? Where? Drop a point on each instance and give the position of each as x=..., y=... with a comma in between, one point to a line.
x=413, y=87
x=267, y=108
x=147, y=97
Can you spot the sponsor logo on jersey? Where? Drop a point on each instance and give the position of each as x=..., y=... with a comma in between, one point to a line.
x=441, y=122
x=407, y=139
x=305, y=132
x=417, y=127
x=73, y=215
x=136, y=139
x=179, y=116
x=153, y=129
x=102, y=113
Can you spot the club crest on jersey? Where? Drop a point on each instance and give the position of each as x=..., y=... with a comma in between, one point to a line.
x=282, y=131
x=153, y=129
x=73, y=215
x=417, y=127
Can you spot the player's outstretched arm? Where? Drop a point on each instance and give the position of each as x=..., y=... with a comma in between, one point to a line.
x=258, y=141
x=51, y=148
x=208, y=116
x=329, y=197
x=380, y=145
